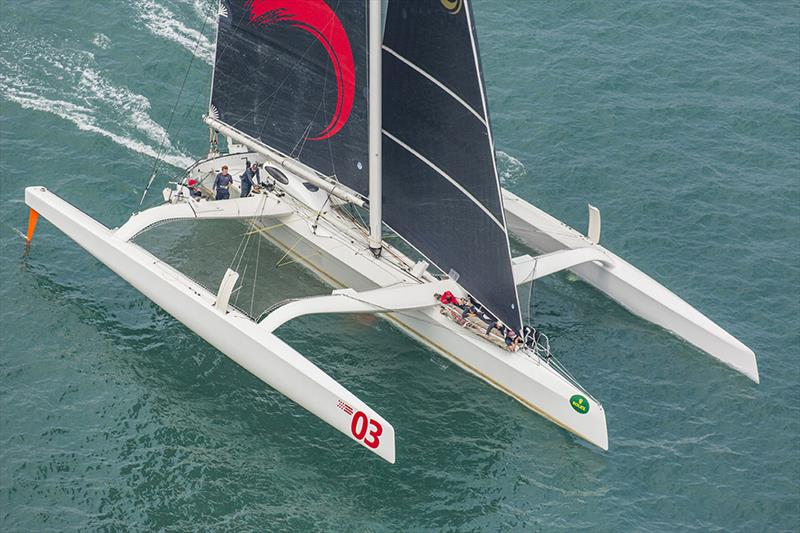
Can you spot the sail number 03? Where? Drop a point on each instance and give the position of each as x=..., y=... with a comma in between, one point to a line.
x=366, y=430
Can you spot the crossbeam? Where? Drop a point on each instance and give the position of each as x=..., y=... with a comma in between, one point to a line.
x=527, y=268
x=260, y=205
x=397, y=298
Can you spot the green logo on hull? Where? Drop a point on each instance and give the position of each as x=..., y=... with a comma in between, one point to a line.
x=580, y=404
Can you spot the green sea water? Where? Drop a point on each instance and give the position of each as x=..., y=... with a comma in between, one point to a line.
x=680, y=120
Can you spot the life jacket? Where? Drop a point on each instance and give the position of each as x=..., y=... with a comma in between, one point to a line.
x=448, y=298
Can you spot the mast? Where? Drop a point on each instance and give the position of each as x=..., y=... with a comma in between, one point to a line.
x=375, y=110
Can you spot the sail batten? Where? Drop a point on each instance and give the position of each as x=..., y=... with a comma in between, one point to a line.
x=443, y=174
x=441, y=85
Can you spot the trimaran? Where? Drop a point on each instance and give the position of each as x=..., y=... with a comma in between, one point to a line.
x=341, y=113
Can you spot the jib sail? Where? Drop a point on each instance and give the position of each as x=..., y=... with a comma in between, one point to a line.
x=440, y=184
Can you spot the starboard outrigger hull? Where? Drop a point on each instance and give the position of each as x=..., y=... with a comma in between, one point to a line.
x=627, y=285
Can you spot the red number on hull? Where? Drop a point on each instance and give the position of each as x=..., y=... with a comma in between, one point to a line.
x=359, y=426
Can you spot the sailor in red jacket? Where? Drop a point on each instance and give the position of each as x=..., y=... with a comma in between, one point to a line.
x=448, y=298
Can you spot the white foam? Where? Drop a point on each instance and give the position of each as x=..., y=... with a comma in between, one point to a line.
x=64, y=82
x=132, y=105
x=206, y=9
x=101, y=41
x=163, y=23
x=509, y=168
x=81, y=117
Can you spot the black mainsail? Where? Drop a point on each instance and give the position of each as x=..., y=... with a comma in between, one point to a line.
x=292, y=74
x=440, y=184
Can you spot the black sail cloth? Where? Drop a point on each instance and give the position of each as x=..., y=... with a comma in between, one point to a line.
x=440, y=185
x=292, y=74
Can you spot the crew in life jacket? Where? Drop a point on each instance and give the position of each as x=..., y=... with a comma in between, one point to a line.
x=499, y=326
x=511, y=339
x=446, y=298
x=194, y=190
x=469, y=307
x=221, y=184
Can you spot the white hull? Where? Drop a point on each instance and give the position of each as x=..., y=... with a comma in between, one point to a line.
x=336, y=250
x=231, y=332
x=627, y=285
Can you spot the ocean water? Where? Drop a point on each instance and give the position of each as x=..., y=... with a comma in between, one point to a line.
x=680, y=120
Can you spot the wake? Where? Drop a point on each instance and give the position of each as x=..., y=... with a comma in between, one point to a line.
x=65, y=83
x=162, y=22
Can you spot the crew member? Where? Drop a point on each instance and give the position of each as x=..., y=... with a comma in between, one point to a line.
x=221, y=184
x=194, y=190
x=499, y=326
x=469, y=307
x=447, y=298
x=511, y=339
x=250, y=179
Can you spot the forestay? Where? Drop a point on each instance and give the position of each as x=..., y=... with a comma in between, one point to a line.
x=440, y=185
x=293, y=75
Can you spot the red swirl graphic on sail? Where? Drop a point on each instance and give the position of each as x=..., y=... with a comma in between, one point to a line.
x=315, y=17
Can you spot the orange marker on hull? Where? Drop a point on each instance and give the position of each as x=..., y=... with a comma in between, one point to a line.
x=33, y=218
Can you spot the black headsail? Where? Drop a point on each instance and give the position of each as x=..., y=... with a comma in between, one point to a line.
x=293, y=75
x=440, y=184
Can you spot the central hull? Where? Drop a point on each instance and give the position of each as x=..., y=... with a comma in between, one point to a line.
x=526, y=378
x=335, y=248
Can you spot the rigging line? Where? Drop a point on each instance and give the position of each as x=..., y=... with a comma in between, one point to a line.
x=258, y=256
x=255, y=276
x=304, y=137
x=322, y=207
x=247, y=238
x=530, y=293
x=188, y=113
x=289, y=251
x=300, y=258
x=161, y=148
x=243, y=241
x=237, y=290
x=265, y=230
